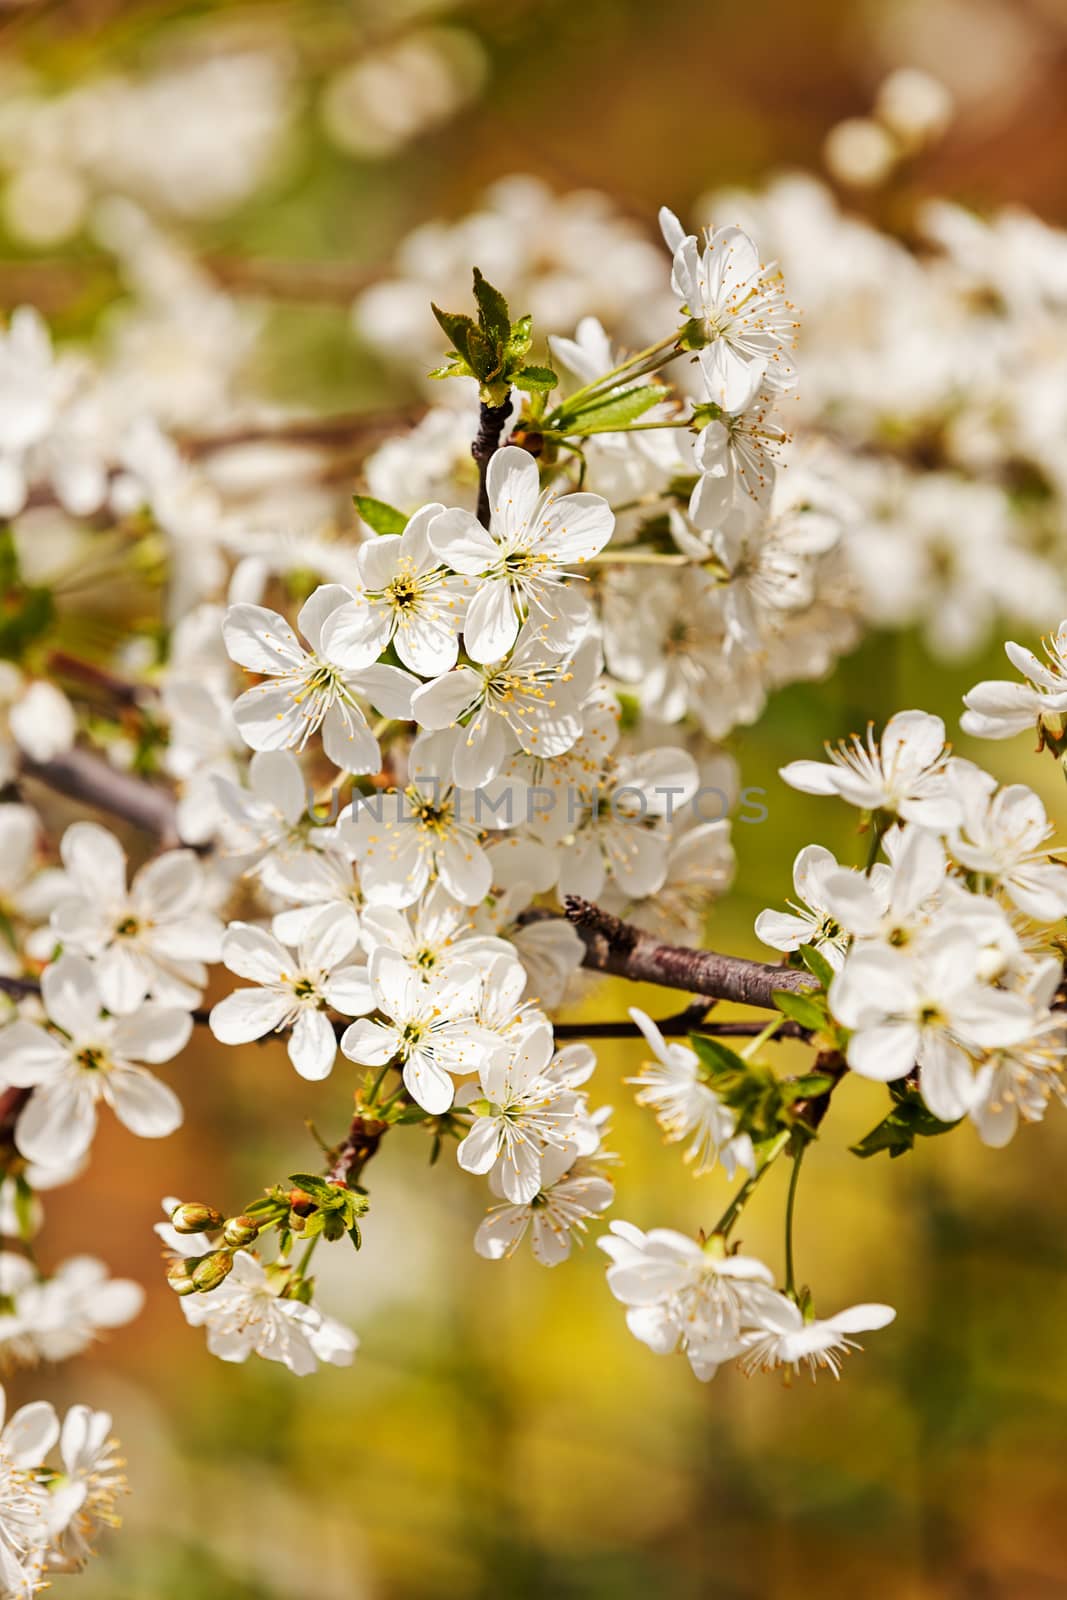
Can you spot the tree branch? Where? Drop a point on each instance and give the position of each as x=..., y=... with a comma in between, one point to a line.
x=337, y=430
x=81, y=775
x=618, y=947
x=359, y=1145
x=491, y=420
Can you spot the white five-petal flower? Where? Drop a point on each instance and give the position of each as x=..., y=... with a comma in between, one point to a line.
x=294, y=988
x=428, y=1029
x=406, y=598
x=517, y=565
x=903, y=774
x=303, y=692
x=92, y=1058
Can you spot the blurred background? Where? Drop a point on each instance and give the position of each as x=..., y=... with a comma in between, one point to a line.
x=500, y=1432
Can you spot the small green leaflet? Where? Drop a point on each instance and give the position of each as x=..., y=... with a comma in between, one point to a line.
x=809, y=1013
x=896, y=1134
x=379, y=516
x=611, y=411
x=817, y=964
x=717, y=1057
x=534, y=380
x=493, y=313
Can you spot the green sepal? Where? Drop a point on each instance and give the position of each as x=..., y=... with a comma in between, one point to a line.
x=693, y=335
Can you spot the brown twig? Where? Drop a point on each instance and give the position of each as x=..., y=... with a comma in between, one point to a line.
x=491, y=420
x=343, y=429
x=82, y=775
x=618, y=947
x=19, y=988
x=310, y=282
x=829, y=1064
x=359, y=1145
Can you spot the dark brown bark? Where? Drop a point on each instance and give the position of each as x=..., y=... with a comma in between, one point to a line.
x=617, y=947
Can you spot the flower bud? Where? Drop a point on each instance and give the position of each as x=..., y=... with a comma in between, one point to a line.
x=195, y=1218
x=179, y=1276
x=210, y=1270
x=240, y=1231
x=301, y=1202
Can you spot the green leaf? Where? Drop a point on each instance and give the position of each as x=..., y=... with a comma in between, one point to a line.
x=355, y=1236
x=810, y=1087
x=612, y=411
x=327, y=1195
x=717, y=1057
x=896, y=1134
x=493, y=313
x=457, y=329
x=519, y=340
x=378, y=515
x=817, y=964
x=535, y=380
x=798, y=1007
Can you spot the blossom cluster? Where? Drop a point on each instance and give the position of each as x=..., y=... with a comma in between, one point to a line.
x=384, y=751
x=50, y=1514
x=945, y=959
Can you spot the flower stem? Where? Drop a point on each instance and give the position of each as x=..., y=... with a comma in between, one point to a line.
x=625, y=369
x=744, y=1194
x=305, y=1259
x=879, y=824
x=761, y=1038
x=638, y=558
x=790, y=1203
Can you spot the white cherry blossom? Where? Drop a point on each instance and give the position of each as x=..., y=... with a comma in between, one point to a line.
x=95, y=1058
x=999, y=709
x=739, y=302
x=687, y=1107
x=406, y=598
x=294, y=988
x=572, y=1191
x=787, y=1339
x=429, y=1029
x=429, y=832
x=1001, y=838
x=903, y=773
x=303, y=692
x=684, y=1297
x=811, y=920
x=153, y=938
x=248, y=1314
x=52, y=1319
x=517, y=565
x=525, y=1104
x=530, y=702
x=927, y=1008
